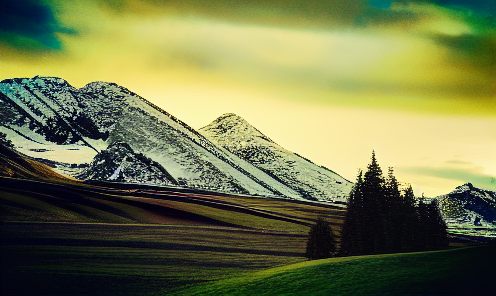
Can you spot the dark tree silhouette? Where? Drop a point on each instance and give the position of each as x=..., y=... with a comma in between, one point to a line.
x=321, y=242
x=437, y=235
x=392, y=214
x=352, y=233
x=410, y=224
x=422, y=241
x=379, y=219
x=374, y=214
x=4, y=141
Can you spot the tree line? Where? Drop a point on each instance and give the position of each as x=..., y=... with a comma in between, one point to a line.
x=380, y=219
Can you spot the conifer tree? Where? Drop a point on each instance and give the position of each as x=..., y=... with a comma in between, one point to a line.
x=393, y=219
x=410, y=232
x=373, y=215
x=437, y=235
x=352, y=235
x=321, y=242
x=423, y=240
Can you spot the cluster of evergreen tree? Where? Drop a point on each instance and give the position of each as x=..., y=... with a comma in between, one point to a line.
x=382, y=219
x=4, y=141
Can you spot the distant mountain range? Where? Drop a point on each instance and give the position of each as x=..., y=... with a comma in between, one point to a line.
x=120, y=136
x=469, y=206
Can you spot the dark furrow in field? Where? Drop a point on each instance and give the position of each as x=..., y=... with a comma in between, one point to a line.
x=140, y=245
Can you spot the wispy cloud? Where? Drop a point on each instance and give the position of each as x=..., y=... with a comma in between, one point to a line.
x=473, y=174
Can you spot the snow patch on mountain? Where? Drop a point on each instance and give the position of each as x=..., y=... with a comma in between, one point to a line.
x=37, y=147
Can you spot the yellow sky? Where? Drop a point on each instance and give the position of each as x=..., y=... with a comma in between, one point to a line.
x=410, y=89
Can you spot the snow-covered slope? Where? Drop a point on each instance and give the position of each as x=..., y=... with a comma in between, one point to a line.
x=45, y=117
x=469, y=206
x=311, y=181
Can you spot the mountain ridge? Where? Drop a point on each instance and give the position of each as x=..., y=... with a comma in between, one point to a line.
x=56, y=119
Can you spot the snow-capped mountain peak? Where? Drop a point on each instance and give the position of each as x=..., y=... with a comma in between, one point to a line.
x=232, y=129
x=311, y=181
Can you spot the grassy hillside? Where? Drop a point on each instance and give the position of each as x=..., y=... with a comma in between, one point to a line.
x=41, y=201
x=468, y=271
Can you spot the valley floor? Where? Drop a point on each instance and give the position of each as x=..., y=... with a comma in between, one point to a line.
x=78, y=239
x=127, y=259
x=75, y=258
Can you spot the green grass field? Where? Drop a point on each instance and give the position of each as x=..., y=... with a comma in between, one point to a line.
x=468, y=271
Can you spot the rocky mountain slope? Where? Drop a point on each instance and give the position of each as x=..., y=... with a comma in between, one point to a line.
x=45, y=117
x=469, y=206
x=311, y=181
x=121, y=164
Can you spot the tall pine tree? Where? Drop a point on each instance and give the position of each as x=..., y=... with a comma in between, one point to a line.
x=436, y=227
x=352, y=235
x=392, y=208
x=410, y=225
x=373, y=214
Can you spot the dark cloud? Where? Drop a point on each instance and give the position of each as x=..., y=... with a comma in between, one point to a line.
x=478, y=13
x=475, y=53
x=480, y=7
x=30, y=25
x=281, y=12
x=458, y=162
x=381, y=16
x=380, y=3
x=482, y=92
x=469, y=44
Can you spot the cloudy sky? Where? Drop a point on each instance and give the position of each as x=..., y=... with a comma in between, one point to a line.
x=331, y=80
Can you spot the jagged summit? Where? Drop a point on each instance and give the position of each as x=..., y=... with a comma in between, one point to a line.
x=227, y=115
x=229, y=124
x=463, y=188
